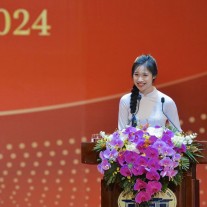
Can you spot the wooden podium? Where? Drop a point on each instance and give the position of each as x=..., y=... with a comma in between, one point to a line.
x=187, y=193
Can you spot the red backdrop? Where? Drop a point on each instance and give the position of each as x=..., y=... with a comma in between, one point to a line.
x=62, y=77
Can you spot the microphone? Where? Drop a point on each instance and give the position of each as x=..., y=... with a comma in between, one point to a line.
x=163, y=101
x=139, y=97
x=134, y=120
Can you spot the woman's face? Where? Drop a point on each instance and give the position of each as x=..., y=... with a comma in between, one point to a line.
x=143, y=79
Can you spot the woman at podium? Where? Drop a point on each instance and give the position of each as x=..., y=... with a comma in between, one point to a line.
x=146, y=104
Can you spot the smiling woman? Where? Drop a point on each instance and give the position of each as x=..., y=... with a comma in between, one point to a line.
x=143, y=105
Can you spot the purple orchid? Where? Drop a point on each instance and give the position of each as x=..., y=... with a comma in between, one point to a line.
x=170, y=172
x=169, y=133
x=142, y=196
x=152, y=174
x=116, y=140
x=130, y=157
x=181, y=149
x=153, y=163
x=110, y=154
x=138, y=170
x=141, y=145
x=126, y=170
x=151, y=152
x=104, y=165
x=153, y=139
x=138, y=136
x=139, y=185
x=121, y=158
x=159, y=144
x=153, y=187
x=130, y=164
x=167, y=151
x=167, y=139
x=166, y=162
x=129, y=130
x=142, y=161
x=176, y=157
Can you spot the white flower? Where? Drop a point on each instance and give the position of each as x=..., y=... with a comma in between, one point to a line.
x=131, y=147
x=158, y=132
x=109, y=138
x=123, y=136
x=103, y=134
x=178, y=140
x=189, y=138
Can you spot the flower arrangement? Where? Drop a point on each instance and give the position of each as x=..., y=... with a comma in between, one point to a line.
x=145, y=160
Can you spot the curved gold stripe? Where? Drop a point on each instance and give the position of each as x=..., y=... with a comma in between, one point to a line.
x=58, y=106
x=95, y=100
x=200, y=75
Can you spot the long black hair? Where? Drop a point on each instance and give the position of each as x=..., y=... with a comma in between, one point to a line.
x=150, y=63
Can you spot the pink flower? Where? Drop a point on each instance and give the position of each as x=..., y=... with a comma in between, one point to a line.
x=151, y=152
x=126, y=171
x=142, y=161
x=139, y=170
x=140, y=184
x=152, y=175
x=153, y=163
x=153, y=187
x=142, y=196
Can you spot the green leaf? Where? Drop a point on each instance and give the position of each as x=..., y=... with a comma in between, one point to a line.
x=100, y=145
x=185, y=163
